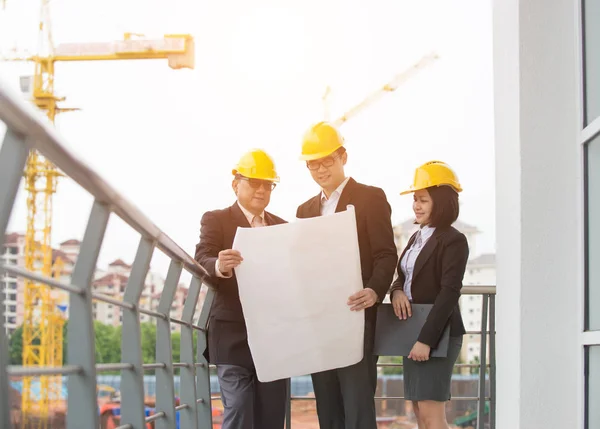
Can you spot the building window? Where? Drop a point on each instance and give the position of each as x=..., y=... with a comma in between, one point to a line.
x=12, y=297
x=592, y=224
x=591, y=56
x=592, y=387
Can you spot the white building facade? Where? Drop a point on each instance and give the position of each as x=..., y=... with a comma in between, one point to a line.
x=547, y=125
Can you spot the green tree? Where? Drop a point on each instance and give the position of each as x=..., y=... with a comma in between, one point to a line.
x=148, y=342
x=16, y=346
x=392, y=369
x=176, y=346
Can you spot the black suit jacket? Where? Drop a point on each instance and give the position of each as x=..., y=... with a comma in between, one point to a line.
x=437, y=279
x=227, y=335
x=378, y=253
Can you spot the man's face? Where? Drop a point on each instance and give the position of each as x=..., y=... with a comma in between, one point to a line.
x=328, y=172
x=253, y=194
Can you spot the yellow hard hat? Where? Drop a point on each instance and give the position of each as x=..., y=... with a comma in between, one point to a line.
x=320, y=141
x=256, y=164
x=434, y=173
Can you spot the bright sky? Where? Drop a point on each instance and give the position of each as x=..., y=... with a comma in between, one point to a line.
x=168, y=139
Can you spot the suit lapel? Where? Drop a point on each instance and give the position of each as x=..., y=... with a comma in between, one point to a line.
x=270, y=219
x=238, y=216
x=425, y=253
x=346, y=197
x=314, y=207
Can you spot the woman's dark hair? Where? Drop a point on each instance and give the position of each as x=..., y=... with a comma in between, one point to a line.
x=445, y=206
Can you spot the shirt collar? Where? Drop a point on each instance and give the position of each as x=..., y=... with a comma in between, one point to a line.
x=426, y=232
x=338, y=191
x=249, y=215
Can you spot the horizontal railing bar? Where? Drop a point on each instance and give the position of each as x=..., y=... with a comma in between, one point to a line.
x=458, y=365
x=109, y=300
x=478, y=290
x=127, y=426
x=23, y=119
x=153, y=313
x=21, y=272
x=181, y=365
x=156, y=416
x=179, y=321
x=199, y=328
x=26, y=371
x=477, y=332
x=182, y=407
x=159, y=365
x=380, y=398
x=199, y=365
x=103, y=367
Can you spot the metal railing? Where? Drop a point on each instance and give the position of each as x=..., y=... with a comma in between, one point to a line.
x=486, y=332
x=27, y=131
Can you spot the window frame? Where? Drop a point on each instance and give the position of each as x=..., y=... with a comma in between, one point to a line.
x=586, y=133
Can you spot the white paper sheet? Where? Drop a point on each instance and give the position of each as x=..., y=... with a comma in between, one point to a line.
x=294, y=285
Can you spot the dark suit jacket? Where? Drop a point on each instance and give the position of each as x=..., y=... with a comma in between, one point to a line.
x=378, y=253
x=437, y=279
x=227, y=335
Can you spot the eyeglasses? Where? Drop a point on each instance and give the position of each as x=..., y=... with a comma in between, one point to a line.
x=257, y=183
x=325, y=162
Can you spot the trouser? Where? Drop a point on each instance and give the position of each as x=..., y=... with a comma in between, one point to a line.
x=248, y=403
x=346, y=396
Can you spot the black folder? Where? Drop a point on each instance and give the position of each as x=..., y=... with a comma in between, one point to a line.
x=395, y=337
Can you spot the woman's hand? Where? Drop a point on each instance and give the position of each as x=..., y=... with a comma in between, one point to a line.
x=401, y=305
x=420, y=352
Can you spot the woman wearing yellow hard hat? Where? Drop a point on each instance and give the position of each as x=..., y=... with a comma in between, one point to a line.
x=430, y=271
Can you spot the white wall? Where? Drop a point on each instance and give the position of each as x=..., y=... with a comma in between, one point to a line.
x=538, y=214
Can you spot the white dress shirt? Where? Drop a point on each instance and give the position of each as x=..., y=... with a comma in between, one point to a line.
x=407, y=265
x=328, y=205
x=255, y=221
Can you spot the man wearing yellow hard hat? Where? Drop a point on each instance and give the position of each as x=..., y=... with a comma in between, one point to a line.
x=248, y=403
x=345, y=396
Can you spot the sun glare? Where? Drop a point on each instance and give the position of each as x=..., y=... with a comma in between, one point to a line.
x=269, y=44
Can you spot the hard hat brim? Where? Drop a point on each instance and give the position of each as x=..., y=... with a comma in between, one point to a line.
x=410, y=191
x=315, y=156
x=251, y=176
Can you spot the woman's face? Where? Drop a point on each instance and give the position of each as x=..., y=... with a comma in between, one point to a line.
x=422, y=206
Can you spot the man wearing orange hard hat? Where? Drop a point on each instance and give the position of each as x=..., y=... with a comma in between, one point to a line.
x=346, y=396
x=248, y=402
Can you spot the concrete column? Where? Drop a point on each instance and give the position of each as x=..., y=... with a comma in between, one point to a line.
x=539, y=206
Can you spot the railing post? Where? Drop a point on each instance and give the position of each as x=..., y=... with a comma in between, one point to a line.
x=165, y=387
x=482, y=363
x=82, y=403
x=288, y=404
x=13, y=156
x=132, y=380
x=203, y=372
x=492, y=362
x=188, y=417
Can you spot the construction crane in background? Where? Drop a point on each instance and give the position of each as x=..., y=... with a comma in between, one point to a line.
x=391, y=86
x=43, y=321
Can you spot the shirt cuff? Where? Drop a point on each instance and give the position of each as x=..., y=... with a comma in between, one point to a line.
x=219, y=273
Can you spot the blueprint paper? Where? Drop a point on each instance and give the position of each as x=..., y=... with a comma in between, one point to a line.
x=294, y=284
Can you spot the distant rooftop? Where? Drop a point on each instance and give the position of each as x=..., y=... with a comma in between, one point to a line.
x=484, y=259
x=71, y=242
x=119, y=263
x=409, y=225
x=12, y=238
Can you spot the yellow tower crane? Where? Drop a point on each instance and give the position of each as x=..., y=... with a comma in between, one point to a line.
x=390, y=86
x=43, y=322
